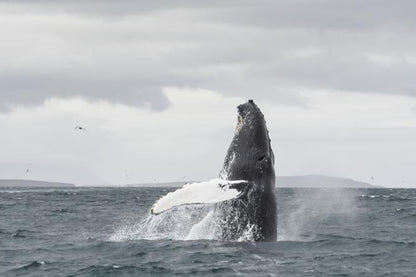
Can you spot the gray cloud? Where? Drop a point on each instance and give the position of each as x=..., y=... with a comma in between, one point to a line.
x=32, y=90
x=126, y=52
x=322, y=14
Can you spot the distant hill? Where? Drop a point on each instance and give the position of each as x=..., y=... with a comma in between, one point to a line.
x=307, y=181
x=160, y=185
x=319, y=181
x=31, y=183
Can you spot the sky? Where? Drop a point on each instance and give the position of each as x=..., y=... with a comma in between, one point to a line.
x=156, y=85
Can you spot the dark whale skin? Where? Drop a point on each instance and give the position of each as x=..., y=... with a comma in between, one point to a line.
x=249, y=157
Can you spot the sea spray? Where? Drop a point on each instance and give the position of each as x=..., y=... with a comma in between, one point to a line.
x=299, y=216
x=309, y=207
x=180, y=215
x=190, y=222
x=205, y=229
x=175, y=224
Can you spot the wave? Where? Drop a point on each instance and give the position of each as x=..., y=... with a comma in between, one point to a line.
x=24, y=268
x=22, y=233
x=104, y=270
x=63, y=210
x=33, y=264
x=390, y=197
x=15, y=191
x=410, y=216
x=153, y=268
x=395, y=242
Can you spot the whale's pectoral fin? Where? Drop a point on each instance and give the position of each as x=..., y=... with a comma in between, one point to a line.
x=213, y=191
x=243, y=188
x=240, y=186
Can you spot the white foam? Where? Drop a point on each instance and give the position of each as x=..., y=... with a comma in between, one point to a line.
x=205, y=229
x=213, y=191
x=173, y=224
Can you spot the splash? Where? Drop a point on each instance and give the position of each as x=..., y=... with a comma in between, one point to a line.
x=193, y=222
x=205, y=229
x=299, y=219
x=310, y=209
x=179, y=223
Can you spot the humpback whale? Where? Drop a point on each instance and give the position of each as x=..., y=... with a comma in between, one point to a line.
x=244, y=195
x=250, y=158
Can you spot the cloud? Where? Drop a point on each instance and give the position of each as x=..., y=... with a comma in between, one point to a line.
x=32, y=90
x=127, y=52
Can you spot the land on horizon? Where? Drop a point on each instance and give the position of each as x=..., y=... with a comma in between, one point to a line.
x=31, y=183
x=307, y=181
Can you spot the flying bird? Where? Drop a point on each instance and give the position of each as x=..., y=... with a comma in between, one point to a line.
x=28, y=168
x=80, y=128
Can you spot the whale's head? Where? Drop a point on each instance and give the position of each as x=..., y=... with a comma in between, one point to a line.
x=250, y=149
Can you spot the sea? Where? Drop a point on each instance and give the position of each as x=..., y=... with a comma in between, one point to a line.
x=91, y=231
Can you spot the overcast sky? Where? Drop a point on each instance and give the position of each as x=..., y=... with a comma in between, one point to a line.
x=156, y=84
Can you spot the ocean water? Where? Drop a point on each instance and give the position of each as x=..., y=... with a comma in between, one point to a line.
x=109, y=232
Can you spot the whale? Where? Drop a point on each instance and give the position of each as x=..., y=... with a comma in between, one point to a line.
x=244, y=194
x=249, y=157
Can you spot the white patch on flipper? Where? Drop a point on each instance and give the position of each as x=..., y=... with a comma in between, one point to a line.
x=213, y=191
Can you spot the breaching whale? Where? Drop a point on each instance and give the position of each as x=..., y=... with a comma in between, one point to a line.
x=250, y=158
x=245, y=192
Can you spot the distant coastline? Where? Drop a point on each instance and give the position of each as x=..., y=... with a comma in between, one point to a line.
x=306, y=181
x=32, y=183
x=320, y=181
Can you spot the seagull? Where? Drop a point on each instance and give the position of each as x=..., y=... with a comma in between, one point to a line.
x=80, y=128
x=28, y=168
